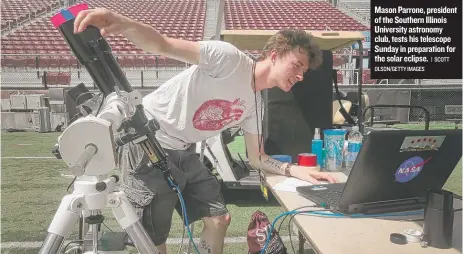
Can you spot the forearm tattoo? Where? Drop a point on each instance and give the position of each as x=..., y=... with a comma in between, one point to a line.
x=273, y=165
x=205, y=246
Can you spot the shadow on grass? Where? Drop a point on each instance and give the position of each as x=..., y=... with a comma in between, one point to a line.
x=249, y=198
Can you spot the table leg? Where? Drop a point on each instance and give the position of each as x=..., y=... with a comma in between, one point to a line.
x=301, y=242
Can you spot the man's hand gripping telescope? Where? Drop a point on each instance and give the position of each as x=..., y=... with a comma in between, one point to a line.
x=88, y=145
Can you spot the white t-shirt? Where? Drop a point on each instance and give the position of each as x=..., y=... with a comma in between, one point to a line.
x=207, y=98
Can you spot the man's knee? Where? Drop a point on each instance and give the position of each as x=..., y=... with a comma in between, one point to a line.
x=217, y=222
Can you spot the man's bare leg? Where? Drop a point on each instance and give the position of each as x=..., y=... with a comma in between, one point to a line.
x=213, y=235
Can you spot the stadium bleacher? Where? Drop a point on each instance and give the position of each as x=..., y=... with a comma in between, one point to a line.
x=178, y=19
x=39, y=46
x=359, y=7
x=275, y=15
x=15, y=12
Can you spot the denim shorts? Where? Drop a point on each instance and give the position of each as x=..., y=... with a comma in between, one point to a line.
x=152, y=198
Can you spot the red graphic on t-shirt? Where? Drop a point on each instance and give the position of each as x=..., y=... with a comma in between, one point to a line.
x=215, y=114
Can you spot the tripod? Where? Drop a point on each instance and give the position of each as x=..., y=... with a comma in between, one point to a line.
x=90, y=157
x=90, y=197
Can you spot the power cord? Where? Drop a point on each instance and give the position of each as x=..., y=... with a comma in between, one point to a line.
x=281, y=223
x=289, y=223
x=183, y=237
x=71, y=242
x=324, y=213
x=331, y=214
x=289, y=229
x=80, y=95
x=185, y=216
x=177, y=190
x=272, y=226
x=100, y=103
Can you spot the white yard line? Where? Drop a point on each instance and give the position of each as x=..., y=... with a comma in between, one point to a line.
x=31, y=245
x=27, y=157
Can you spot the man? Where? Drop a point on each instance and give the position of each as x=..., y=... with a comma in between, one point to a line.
x=220, y=90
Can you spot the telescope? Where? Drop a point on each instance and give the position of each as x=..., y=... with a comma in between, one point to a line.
x=88, y=145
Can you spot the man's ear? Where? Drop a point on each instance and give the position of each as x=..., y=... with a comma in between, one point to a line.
x=273, y=56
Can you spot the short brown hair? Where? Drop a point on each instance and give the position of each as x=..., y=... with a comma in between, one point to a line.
x=288, y=39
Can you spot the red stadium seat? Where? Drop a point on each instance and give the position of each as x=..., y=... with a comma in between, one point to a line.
x=337, y=61
x=126, y=61
x=53, y=62
x=64, y=78
x=314, y=15
x=15, y=11
x=150, y=61
x=340, y=78
x=74, y=63
x=138, y=62
x=43, y=62
x=8, y=62
x=51, y=78
x=180, y=19
x=64, y=63
x=31, y=62
x=366, y=77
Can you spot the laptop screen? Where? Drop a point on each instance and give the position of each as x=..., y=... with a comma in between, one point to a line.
x=391, y=167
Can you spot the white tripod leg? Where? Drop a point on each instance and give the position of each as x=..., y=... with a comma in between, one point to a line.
x=129, y=221
x=65, y=218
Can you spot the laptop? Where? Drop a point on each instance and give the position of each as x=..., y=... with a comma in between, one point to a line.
x=392, y=172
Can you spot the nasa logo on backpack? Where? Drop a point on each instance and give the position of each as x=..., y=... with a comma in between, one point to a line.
x=410, y=168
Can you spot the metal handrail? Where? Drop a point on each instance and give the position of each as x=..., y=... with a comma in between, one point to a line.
x=372, y=107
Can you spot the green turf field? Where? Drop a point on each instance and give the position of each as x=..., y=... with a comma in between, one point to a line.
x=32, y=190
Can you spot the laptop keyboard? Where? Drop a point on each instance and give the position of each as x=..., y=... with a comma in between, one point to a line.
x=320, y=194
x=332, y=197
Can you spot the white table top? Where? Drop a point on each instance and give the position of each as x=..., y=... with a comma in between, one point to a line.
x=356, y=235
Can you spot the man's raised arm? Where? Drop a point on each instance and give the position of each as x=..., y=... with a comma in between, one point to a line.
x=143, y=36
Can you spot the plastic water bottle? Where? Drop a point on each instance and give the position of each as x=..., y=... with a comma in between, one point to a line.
x=317, y=147
x=354, y=143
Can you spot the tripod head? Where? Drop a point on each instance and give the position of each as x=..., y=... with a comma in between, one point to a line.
x=88, y=144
